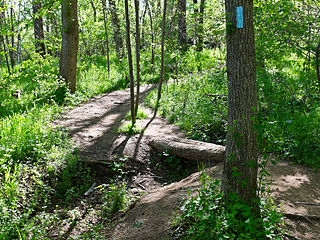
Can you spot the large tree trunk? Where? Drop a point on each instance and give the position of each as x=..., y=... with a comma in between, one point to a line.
x=182, y=25
x=136, y=4
x=133, y=116
x=189, y=149
x=116, y=29
x=240, y=166
x=38, y=28
x=104, y=10
x=70, y=42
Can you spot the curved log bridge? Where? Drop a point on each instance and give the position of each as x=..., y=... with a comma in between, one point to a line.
x=190, y=149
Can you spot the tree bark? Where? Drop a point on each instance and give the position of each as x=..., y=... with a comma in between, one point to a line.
x=94, y=11
x=152, y=33
x=317, y=62
x=70, y=42
x=38, y=28
x=240, y=165
x=5, y=54
x=189, y=149
x=142, y=23
x=195, y=19
x=2, y=22
x=116, y=29
x=133, y=116
x=19, y=55
x=11, y=51
x=162, y=54
x=136, y=4
x=200, y=27
x=182, y=25
x=106, y=31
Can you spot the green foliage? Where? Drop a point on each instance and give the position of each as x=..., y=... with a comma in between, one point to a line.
x=289, y=113
x=115, y=198
x=140, y=114
x=37, y=163
x=128, y=129
x=93, y=77
x=209, y=216
x=197, y=102
x=173, y=166
x=28, y=137
x=37, y=84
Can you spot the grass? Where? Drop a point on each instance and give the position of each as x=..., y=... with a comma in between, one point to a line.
x=39, y=165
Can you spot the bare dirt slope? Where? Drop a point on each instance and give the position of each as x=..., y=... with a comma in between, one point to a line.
x=93, y=127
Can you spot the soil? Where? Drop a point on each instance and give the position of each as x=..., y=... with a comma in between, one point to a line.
x=93, y=127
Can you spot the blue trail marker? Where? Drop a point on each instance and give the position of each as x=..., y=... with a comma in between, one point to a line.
x=239, y=17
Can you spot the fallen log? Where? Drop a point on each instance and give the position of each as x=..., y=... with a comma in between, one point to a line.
x=189, y=149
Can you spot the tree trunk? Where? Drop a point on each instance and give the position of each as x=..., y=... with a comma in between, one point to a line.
x=240, y=166
x=133, y=116
x=152, y=33
x=94, y=11
x=19, y=57
x=116, y=29
x=317, y=62
x=5, y=54
x=70, y=42
x=182, y=25
x=11, y=51
x=142, y=21
x=189, y=149
x=195, y=19
x=106, y=31
x=162, y=54
x=38, y=28
x=200, y=27
x=2, y=22
x=136, y=4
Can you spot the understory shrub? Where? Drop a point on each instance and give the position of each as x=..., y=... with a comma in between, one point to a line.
x=208, y=216
x=288, y=122
x=197, y=102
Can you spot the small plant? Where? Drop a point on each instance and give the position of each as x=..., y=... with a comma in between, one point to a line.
x=128, y=129
x=115, y=198
x=140, y=114
x=172, y=161
x=173, y=165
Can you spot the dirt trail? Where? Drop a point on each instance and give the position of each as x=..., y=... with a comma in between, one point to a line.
x=93, y=127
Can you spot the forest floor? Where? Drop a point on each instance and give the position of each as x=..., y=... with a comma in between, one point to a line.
x=158, y=190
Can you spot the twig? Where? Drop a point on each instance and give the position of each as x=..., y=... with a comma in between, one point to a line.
x=287, y=235
x=306, y=203
x=302, y=216
x=95, y=162
x=90, y=190
x=316, y=217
